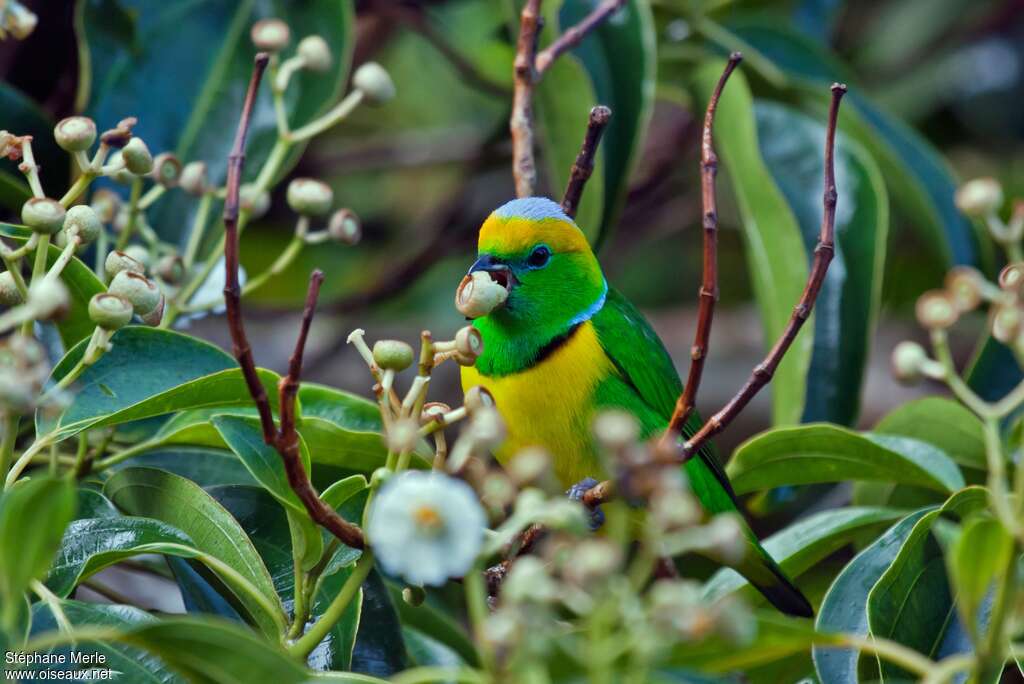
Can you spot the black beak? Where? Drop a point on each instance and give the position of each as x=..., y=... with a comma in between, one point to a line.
x=500, y=273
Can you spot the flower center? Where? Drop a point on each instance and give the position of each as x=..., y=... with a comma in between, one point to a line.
x=428, y=519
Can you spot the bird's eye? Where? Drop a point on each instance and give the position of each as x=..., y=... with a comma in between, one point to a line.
x=539, y=257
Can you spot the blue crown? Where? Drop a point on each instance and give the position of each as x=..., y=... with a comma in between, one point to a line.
x=532, y=208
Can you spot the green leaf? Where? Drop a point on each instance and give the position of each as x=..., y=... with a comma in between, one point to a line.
x=133, y=664
x=826, y=453
x=184, y=505
x=993, y=370
x=81, y=282
x=380, y=650
x=771, y=232
x=344, y=409
x=619, y=56
x=942, y=423
x=91, y=544
x=33, y=515
x=918, y=179
x=205, y=467
x=22, y=116
x=846, y=310
x=980, y=557
x=149, y=372
x=343, y=490
x=844, y=608
x=426, y=619
x=194, y=88
x=562, y=104
x=805, y=543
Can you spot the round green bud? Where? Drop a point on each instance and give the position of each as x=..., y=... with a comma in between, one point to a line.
x=106, y=203
x=270, y=35
x=315, y=53
x=120, y=261
x=1007, y=322
x=137, y=289
x=193, y=178
x=122, y=175
x=935, y=310
x=49, y=297
x=43, y=215
x=256, y=204
x=309, y=197
x=433, y=410
x=469, y=344
x=374, y=82
x=109, y=311
x=964, y=285
x=908, y=362
x=154, y=317
x=81, y=220
x=392, y=355
x=166, y=169
x=344, y=227
x=137, y=157
x=979, y=197
x=414, y=596
x=75, y=133
x=10, y=295
x=1011, y=278
x=379, y=477
x=139, y=253
x=170, y=269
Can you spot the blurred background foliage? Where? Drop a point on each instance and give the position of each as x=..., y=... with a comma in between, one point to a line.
x=935, y=96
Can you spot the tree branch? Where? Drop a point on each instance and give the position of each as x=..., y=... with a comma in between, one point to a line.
x=823, y=253
x=572, y=36
x=285, y=440
x=524, y=166
x=709, y=283
x=584, y=164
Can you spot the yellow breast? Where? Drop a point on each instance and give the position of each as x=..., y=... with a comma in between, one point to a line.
x=550, y=405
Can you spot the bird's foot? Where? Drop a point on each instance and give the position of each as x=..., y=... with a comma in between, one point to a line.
x=594, y=514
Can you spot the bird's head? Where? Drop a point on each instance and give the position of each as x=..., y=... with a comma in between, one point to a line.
x=537, y=253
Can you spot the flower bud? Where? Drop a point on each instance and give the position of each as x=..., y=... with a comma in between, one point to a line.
x=137, y=157
x=20, y=21
x=964, y=285
x=256, y=204
x=414, y=596
x=121, y=175
x=166, y=169
x=10, y=295
x=374, y=82
x=119, y=261
x=908, y=362
x=193, y=178
x=170, y=269
x=380, y=476
x=315, y=52
x=142, y=292
x=81, y=220
x=477, y=398
x=109, y=311
x=1007, y=322
x=979, y=197
x=433, y=410
x=75, y=133
x=270, y=35
x=935, y=310
x=49, y=297
x=616, y=430
x=139, y=253
x=469, y=344
x=154, y=317
x=344, y=227
x=392, y=355
x=43, y=215
x=309, y=197
x=1011, y=278
x=478, y=295
x=119, y=136
x=106, y=203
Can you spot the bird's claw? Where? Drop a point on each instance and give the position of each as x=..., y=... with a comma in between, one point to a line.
x=594, y=514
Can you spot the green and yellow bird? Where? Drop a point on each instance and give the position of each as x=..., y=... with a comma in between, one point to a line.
x=564, y=345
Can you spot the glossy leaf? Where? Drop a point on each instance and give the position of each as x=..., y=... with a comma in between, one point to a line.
x=92, y=504
x=803, y=544
x=81, y=282
x=619, y=56
x=343, y=490
x=771, y=233
x=379, y=650
x=204, y=78
x=183, y=504
x=205, y=467
x=978, y=558
x=344, y=409
x=844, y=608
x=33, y=515
x=942, y=423
x=993, y=370
x=846, y=310
x=826, y=453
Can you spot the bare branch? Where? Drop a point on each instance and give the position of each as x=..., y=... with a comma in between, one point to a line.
x=285, y=440
x=709, y=283
x=823, y=253
x=584, y=164
x=572, y=36
x=524, y=165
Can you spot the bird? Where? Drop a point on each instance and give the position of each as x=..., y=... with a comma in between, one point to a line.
x=564, y=346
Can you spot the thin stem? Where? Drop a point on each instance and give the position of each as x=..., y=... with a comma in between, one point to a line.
x=894, y=652
x=476, y=605
x=283, y=261
x=125, y=454
x=524, y=165
x=151, y=196
x=38, y=271
x=316, y=633
x=61, y=262
x=583, y=167
x=328, y=120
x=29, y=168
x=26, y=458
x=7, y=442
x=572, y=36
x=77, y=188
x=195, y=236
x=133, y=211
x=299, y=610
x=53, y=603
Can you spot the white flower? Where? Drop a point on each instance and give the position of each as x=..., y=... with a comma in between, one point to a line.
x=426, y=527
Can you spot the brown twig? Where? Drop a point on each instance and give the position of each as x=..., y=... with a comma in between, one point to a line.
x=285, y=440
x=823, y=253
x=524, y=166
x=572, y=36
x=584, y=164
x=709, y=282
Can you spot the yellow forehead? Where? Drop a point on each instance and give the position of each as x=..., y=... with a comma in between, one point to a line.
x=515, y=235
